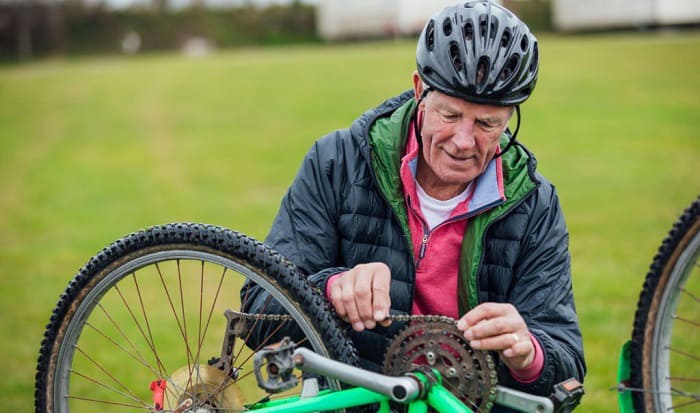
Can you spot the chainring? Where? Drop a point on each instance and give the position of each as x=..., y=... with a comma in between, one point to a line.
x=467, y=373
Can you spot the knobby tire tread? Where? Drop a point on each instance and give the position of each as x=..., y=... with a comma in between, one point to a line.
x=229, y=243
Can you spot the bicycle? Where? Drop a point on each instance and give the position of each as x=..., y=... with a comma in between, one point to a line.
x=150, y=299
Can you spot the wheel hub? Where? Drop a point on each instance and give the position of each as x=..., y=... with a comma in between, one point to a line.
x=209, y=389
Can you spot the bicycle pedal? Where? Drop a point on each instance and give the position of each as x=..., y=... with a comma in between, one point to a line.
x=567, y=395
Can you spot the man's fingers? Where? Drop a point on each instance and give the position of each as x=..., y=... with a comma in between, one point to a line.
x=364, y=297
x=349, y=303
x=499, y=342
x=485, y=311
x=336, y=296
x=361, y=296
x=520, y=349
x=381, y=302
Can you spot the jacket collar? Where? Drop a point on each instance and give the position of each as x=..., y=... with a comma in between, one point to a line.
x=381, y=135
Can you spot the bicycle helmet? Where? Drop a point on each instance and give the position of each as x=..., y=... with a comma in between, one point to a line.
x=480, y=52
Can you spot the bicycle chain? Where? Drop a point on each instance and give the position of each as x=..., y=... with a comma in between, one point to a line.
x=433, y=341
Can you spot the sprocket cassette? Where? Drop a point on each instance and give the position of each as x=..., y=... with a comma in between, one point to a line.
x=467, y=373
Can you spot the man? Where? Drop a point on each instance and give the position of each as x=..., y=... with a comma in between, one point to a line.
x=428, y=205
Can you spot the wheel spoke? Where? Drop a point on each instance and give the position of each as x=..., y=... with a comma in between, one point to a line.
x=211, y=310
x=184, y=317
x=691, y=295
x=683, y=379
x=128, y=394
x=695, y=399
x=136, y=356
x=148, y=341
x=687, y=321
x=141, y=407
x=180, y=326
x=105, y=371
x=684, y=353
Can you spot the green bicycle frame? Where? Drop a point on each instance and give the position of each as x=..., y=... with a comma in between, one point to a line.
x=438, y=398
x=420, y=391
x=417, y=390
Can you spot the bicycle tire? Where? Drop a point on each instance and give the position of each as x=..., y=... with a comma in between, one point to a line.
x=665, y=366
x=113, y=319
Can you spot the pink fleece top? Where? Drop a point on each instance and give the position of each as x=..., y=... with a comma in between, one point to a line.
x=437, y=251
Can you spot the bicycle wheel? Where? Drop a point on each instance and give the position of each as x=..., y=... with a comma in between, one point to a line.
x=665, y=352
x=152, y=307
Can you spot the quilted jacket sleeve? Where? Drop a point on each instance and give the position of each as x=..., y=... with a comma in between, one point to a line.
x=304, y=230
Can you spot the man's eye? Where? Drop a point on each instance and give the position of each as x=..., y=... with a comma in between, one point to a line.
x=450, y=117
x=485, y=124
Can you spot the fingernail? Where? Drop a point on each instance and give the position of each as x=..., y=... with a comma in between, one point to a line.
x=461, y=324
x=476, y=344
x=370, y=324
x=469, y=335
x=358, y=326
x=379, y=315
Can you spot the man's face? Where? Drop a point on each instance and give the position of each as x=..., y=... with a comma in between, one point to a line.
x=459, y=140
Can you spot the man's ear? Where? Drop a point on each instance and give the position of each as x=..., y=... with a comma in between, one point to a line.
x=417, y=86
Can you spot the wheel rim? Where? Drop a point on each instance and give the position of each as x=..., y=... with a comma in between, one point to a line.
x=128, y=293
x=676, y=359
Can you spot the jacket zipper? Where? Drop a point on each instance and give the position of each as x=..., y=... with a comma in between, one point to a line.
x=427, y=232
x=423, y=247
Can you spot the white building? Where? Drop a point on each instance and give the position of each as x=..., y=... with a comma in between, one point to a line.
x=602, y=14
x=347, y=19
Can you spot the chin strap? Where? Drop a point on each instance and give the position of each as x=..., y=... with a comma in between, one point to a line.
x=514, y=136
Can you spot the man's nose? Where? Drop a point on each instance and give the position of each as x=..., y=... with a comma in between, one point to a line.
x=463, y=136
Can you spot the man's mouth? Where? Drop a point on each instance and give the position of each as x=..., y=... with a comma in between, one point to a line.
x=459, y=158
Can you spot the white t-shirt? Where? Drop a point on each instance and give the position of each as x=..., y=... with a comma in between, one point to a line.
x=436, y=211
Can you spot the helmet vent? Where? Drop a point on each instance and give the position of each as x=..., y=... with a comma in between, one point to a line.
x=524, y=43
x=506, y=38
x=535, y=58
x=430, y=36
x=482, y=26
x=484, y=22
x=468, y=32
x=447, y=27
x=454, y=57
x=482, y=69
x=510, y=67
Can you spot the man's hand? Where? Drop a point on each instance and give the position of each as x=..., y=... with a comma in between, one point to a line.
x=361, y=295
x=499, y=327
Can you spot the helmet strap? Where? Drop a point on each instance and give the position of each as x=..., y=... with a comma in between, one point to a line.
x=511, y=137
x=416, y=127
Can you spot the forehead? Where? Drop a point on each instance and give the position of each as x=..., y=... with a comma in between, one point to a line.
x=442, y=101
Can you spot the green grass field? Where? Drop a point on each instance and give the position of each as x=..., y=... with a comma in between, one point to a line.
x=92, y=149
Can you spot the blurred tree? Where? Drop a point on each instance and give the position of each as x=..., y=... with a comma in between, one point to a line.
x=56, y=28
x=30, y=28
x=25, y=17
